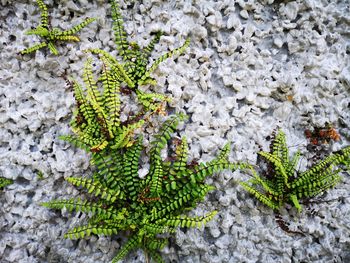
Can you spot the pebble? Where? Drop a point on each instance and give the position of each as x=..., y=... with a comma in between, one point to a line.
x=244, y=14
x=278, y=42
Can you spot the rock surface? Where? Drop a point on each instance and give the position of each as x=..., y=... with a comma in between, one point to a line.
x=252, y=66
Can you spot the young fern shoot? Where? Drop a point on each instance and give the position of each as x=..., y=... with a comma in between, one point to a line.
x=50, y=35
x=145, y=207
x=284, y=184
x=134, y=69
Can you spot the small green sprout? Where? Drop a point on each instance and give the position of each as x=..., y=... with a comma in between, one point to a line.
x=52, y=35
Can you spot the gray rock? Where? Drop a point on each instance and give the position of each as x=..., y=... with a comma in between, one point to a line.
x=251, y=67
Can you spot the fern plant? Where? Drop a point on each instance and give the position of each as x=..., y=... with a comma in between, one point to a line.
x=4, y=182
x=282, y=183
x=146, y=208
x=96, y=122
x=134, y=69
x=51, y=35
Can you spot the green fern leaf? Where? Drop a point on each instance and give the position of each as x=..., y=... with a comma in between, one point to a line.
x=161, y=59
x=155, y=243
x=88, y=230
x=33, y=48
x=164, y=134
x=181, y=151
x=261, y=196
x=184, y=221
x=131, y=167
x=95, y=188
x=44, y=13
x=119, y=32
x=78, y=27
x=79, y=205
x=131, y=244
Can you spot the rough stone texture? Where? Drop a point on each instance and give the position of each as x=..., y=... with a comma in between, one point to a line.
x=252, y=66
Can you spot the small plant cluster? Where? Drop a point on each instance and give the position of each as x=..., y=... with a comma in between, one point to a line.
x=282, y=182
x=96, y=122
x=51, y=35
x=147, y=209
x=134, y=69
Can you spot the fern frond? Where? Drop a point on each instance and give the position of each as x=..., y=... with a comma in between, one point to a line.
x=279, y=147
x=155, y=229
x=91, y=136
x=104, y=55
x=160, y=140
x=97, y=147
x=267, y=185
x=146, y=51
x=183, y=198
x=118, y=72
x=106, y=164
x=44, y=13
x=95, y=188
x=156, y=179
x=52, y=48
x=84, y=107
x=124, y=137
x=88, y=230
x=331, y=160
x=181, y=152
x=131, y=244
x=223, y=155
x=75, y=141
x=260, y=196
x=319, y=184
x=40, y=31
x=290, y=166
x=184, y=221
x=155, y=243
x=295, y=202
x=119, y=32
x=67, y=38
x=78, y=27
x=205, y=170
x=152, y=101
x=278, y=165
x=141, y=58
x=121, y=75
x=114, y=179
x=167, y=55
x=131, y=167
x=33, y=48
x=93, y=95
x=79, y=205
x=111, y=97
